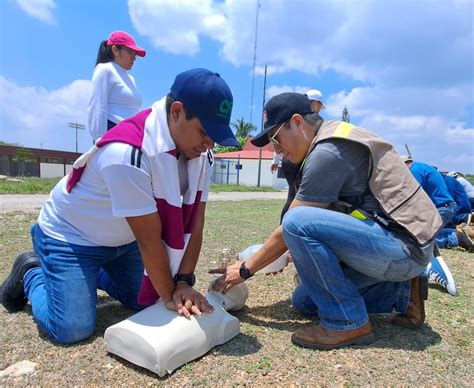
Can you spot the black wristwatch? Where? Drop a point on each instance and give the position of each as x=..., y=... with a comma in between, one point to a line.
x=244, y=272
x=189, y=278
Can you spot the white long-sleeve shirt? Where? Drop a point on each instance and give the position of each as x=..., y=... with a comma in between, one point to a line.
x=114, y=97
x=468, y=188
x=276, y=158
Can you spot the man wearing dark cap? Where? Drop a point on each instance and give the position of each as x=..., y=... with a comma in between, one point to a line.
x=360, y=229
x=100, y=228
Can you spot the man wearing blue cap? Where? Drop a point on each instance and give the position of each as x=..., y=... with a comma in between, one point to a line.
x=360, y=229
x=100, y=228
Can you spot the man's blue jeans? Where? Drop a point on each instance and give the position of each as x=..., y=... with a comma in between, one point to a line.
x=63, y=291
x=447, y=238
x=348, y=267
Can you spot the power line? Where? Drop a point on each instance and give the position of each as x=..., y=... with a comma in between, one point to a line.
x=76, y=126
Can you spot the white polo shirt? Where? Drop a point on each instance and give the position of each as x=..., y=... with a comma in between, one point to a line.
x=111, y=188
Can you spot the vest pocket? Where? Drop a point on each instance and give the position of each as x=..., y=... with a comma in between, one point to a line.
x=419, y=217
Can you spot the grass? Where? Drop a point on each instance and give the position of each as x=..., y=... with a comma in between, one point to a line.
x=440, y=353
x=28, y=185
x=214, y=188
x=45, y=185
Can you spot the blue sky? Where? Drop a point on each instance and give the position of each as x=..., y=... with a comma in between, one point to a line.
x=404, y=68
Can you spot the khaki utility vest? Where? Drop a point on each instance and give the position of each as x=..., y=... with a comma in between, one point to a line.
x=390, y=181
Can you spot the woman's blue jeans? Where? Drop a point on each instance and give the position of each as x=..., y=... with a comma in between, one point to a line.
x=348, y=267
x=63, y=291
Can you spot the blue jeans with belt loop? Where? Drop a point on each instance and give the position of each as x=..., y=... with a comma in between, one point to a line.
x=63, y=291
x=348, y=267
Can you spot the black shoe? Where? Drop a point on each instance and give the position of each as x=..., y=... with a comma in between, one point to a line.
x=464, y=241
x=12, y=293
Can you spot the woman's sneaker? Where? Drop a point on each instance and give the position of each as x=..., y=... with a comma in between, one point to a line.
x=439, y=273
x=12, y=293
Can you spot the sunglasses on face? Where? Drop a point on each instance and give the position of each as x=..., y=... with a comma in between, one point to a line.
x=273, y=139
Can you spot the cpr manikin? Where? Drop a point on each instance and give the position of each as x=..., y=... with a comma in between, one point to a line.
x=160, y=340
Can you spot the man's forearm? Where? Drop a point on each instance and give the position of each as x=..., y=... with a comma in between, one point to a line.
x=155, y=260
x=270, y=250
x=147, y=232
x=191, y=255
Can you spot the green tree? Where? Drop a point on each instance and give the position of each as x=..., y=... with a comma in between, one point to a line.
x=345, y=115
x=8, y=144
x=23, y=155
x=242, y=128
x=221, y=149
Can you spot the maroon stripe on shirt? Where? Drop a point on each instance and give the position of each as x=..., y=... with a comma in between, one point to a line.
x=173, y=153
x=172, y=231
x=190, y=213
x=74, y=177
x=147, y=294
x=130, y=131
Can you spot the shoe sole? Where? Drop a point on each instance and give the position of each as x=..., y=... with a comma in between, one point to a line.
x=359, y=341
x=22, y=260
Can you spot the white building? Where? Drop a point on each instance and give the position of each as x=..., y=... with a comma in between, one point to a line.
x=241, y=167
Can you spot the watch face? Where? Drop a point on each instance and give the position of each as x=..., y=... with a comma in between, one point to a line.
x=188, y=278
x=244, y=272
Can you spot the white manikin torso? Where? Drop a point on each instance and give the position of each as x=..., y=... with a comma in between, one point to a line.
x=160, y=340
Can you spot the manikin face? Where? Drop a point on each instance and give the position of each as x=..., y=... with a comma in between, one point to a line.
x=293, y=141
x=124, y=56
x=189, y=135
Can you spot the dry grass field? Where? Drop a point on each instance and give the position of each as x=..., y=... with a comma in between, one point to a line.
x=440, y=353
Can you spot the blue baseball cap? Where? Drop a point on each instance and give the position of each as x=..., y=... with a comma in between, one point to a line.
x=206, y=95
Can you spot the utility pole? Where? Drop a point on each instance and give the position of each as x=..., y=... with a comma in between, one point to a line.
x=254, y=61
x=345, y=115
x=261, y=128
x=76, y=126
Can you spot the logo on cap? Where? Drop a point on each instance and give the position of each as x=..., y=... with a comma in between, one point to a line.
x=265, y=118
x=225, y=108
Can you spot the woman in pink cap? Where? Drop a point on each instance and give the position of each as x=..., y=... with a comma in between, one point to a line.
x=114, y=92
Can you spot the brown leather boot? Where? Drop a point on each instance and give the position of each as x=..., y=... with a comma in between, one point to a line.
x=415, y=315
x=319, y=337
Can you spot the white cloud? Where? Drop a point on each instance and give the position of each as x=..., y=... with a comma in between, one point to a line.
x=41, y=116
x=39, y=9
x=424, y=118
x=413, y=59
x=274, y=90
x=371, y=41
x=175, y=26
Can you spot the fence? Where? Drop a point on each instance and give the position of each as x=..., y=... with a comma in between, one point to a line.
x=226, y=172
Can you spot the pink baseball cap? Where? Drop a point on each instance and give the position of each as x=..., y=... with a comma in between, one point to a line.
x=121, y=38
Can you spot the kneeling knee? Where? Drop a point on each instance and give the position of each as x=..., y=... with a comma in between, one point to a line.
x=72, y=334
x=291, y=220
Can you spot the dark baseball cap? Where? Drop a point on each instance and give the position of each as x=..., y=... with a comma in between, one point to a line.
x=206, y=95
x=279, y=109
